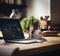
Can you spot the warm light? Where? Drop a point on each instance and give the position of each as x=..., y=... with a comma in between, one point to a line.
x=39, y=8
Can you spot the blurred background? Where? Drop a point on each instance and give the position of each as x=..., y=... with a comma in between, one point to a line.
x=27, y=8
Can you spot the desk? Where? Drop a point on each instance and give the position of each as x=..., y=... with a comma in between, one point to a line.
x=52, y=43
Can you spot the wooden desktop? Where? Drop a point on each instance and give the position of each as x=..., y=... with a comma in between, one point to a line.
x=51, y=44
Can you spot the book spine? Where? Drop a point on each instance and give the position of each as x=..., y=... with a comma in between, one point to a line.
x=6, y=1
x=18, y=2
x=11, y=1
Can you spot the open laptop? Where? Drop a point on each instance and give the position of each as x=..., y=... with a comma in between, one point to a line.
x=12, y=32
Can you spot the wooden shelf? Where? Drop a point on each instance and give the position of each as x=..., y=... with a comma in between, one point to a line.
x=13, y=6
x=6, y=8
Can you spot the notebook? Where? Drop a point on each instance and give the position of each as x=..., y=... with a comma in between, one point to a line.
x=12, y=32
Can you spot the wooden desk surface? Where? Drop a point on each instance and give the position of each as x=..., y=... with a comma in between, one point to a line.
x=52, y=43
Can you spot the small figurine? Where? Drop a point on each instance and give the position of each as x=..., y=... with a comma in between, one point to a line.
x=15, y=14
x=43, y=22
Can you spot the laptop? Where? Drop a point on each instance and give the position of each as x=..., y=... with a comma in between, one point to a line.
x=12, y=32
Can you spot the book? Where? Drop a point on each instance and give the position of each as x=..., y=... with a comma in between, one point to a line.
x=18, y=2
x=11, y=1
x=7, y=1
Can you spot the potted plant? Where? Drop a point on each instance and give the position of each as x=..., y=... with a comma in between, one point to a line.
x=25, y=23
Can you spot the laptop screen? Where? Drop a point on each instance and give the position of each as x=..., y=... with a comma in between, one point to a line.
x=11, y=29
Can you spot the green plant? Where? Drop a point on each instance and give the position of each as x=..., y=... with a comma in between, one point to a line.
x=25, y=23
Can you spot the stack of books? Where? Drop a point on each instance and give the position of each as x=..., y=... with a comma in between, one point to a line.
x=18, y=2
